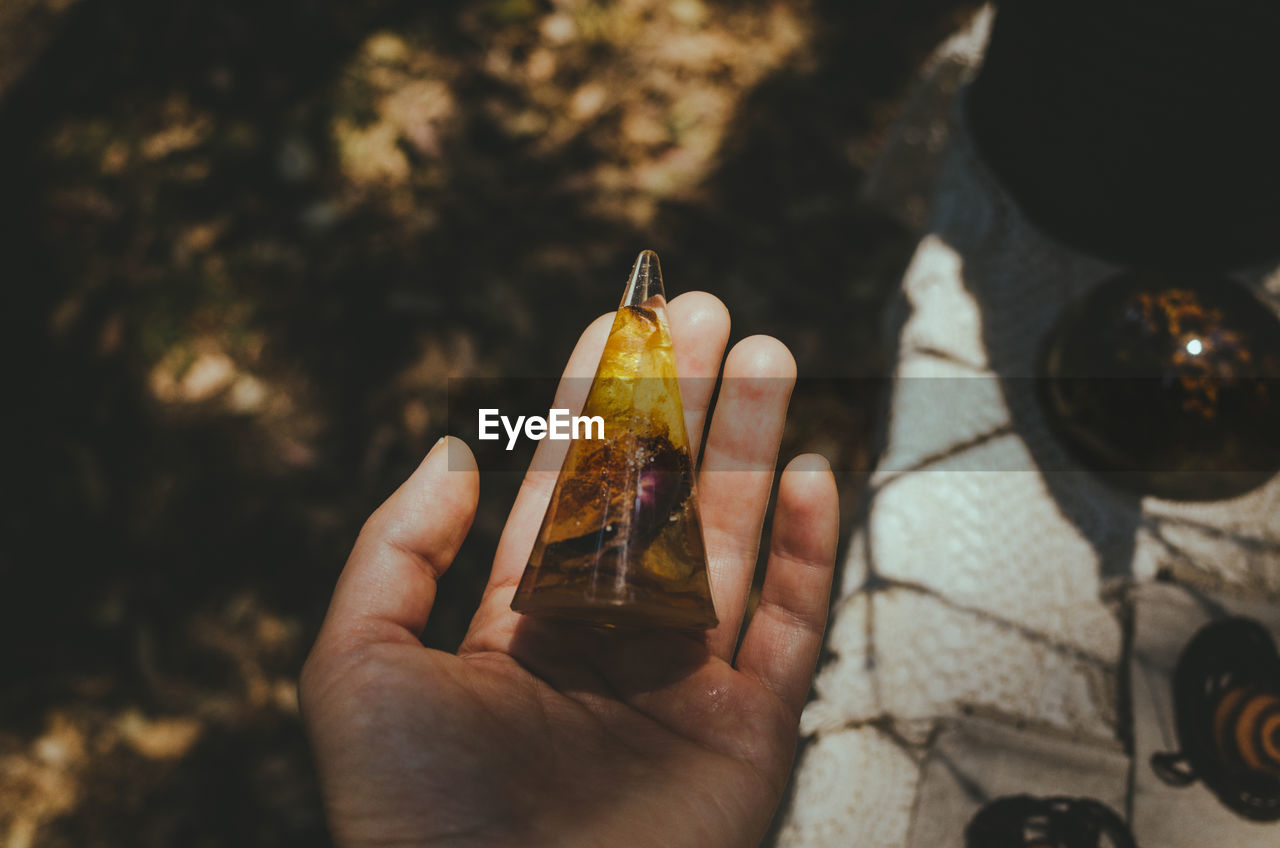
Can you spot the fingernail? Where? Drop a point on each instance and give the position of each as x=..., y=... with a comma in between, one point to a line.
x=439, y=452
x=453, y=452
x=810, y=462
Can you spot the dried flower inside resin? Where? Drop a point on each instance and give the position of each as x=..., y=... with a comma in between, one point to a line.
x=621, y=544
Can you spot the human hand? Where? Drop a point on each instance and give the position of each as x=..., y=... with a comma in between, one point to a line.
x=545, y=733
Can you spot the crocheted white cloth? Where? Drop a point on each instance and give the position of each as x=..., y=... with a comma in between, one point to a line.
x=975, y=578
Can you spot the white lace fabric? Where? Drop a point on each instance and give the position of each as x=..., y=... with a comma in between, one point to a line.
x=977, y=580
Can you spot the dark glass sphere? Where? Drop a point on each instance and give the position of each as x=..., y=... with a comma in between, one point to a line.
x=1168, y=383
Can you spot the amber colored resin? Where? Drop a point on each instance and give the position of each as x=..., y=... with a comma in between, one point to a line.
x=621, y=544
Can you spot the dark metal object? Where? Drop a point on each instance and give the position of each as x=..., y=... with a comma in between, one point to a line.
x=1023, y=821
x=1227, y=700
x=1170, y=383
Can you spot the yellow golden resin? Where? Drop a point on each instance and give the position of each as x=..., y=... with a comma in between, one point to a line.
x=621, y=544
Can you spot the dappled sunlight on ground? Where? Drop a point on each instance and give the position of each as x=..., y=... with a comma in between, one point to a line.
x=247, y=246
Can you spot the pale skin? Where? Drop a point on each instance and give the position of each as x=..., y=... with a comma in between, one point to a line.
x=539, y=733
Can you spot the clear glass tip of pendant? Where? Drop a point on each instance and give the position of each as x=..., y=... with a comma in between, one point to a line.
x=645, y=282
x=621, y=544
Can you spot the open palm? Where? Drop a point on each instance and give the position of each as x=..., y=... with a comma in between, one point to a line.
x=543, y=733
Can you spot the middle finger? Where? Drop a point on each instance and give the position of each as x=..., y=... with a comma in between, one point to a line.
x=737, y=473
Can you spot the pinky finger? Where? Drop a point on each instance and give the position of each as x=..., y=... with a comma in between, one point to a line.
x=780, y=648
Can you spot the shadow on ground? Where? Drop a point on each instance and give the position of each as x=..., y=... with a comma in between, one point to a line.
x=247, y=245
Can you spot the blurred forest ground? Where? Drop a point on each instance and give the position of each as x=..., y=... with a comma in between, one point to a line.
x=245, y=245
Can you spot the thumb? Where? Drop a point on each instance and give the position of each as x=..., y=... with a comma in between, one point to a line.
x=389, y=582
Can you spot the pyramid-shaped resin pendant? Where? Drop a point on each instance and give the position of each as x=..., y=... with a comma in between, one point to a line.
x=621, y=544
